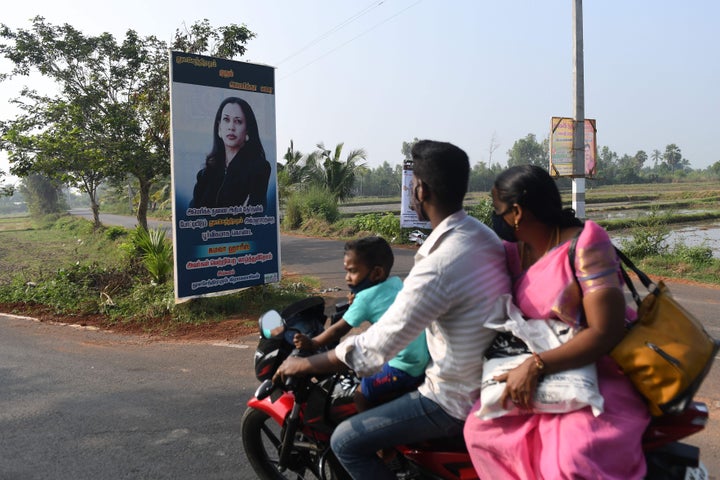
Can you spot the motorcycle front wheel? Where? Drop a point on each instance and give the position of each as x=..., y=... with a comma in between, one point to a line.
x=261, y=437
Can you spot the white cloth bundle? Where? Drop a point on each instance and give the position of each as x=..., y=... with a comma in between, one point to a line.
x=559, y=392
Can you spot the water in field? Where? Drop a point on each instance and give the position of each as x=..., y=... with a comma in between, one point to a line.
x=692, y=236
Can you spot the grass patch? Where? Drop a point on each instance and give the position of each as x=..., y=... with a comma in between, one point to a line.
x=38, y=247
x=15, y=223
x=61, y=266
x=627, y=223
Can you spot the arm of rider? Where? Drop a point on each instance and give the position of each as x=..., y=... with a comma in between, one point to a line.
x=325, y=362
x=333, y=334
x=605, y=315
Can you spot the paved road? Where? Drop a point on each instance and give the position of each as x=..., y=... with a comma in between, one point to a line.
x=79, y=404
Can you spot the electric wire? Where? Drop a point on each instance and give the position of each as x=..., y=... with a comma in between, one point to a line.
x=333, y=30
x=351, y=40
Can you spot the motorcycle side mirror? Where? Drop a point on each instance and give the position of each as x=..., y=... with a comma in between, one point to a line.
x=271, y=324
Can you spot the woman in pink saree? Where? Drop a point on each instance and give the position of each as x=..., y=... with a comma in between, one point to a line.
x=538, y=233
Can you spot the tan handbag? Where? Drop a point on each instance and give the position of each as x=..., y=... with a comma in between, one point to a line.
x=667, y=352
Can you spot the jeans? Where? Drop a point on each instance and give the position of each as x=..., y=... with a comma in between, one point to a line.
x=408, y=419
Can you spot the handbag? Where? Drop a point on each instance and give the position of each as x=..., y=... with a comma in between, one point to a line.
x=666, y=353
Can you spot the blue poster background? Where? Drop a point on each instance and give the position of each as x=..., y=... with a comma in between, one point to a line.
x=219, y=250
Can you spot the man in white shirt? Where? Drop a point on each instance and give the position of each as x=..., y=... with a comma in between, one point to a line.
x=459, y=273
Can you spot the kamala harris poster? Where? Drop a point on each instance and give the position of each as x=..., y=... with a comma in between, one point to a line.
x=224, y=175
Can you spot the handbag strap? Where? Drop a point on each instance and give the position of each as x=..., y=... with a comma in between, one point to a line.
x=644, y=279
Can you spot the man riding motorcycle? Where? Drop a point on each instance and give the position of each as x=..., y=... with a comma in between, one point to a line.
x=458, y=275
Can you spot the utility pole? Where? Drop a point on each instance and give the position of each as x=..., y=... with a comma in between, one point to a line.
x=578, y=179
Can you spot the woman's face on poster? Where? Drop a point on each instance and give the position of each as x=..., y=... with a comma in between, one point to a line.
x=233, y=126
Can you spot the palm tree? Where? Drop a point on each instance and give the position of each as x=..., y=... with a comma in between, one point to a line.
x=337, y=175
x=672, y=156
x=297, y=171
x=656, y=156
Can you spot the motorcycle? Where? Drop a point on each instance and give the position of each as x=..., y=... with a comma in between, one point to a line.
x=286, y=428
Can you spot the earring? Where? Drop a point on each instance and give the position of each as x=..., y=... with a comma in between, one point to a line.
x=517, y=227
x=247, y=138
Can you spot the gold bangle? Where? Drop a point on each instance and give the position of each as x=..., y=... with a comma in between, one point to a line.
x=538, y=362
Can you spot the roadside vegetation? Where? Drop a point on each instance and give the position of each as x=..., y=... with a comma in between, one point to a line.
x=106, y=145
x=112, y=277
x=61, y=266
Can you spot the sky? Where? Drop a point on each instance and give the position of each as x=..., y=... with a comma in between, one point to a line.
x=478, y=73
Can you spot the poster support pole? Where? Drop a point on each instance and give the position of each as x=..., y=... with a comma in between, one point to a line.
x=578, y=179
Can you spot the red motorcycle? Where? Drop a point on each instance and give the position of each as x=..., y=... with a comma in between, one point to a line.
x=286, y=428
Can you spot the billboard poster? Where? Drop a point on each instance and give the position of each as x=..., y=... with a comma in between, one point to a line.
x=590, y=148
x=408, y=217
x=224, y=175
x=561, y=147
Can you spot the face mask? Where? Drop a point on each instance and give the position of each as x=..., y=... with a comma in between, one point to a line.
x=365, y=283
x=503, y=229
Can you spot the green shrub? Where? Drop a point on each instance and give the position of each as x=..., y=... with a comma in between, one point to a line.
x=68, y=290
x=386, y=225
x=292, y=216
x=315, y=202
x=113, y=233
x=649, y=238
x=155, y=251
x=79, y=226
x=144, y=301
x=482, y=211
x=697, y=256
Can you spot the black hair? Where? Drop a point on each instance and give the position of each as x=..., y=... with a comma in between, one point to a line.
x=534, y=189
x=253, y=147
x=373, y=252
x=445, y=168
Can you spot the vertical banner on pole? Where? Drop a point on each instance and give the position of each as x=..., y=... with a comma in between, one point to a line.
x=408, y=217
x=224, y=175
x=561, y=147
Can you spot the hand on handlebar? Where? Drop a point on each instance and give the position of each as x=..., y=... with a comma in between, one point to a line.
x=292, y=367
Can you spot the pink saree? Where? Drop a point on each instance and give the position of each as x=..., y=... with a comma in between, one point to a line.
x=577, y=444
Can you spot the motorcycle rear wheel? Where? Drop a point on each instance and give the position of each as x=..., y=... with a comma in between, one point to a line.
x=261, y=440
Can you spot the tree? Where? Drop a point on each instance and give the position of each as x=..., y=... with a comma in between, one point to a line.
x=202, y=38
x=715, y=169
x=42, y=195
x=336, y=175
x=656, y=156
x=68, y=151
x=607, y=165
x=5, y=190
x=640, y=159
x=672, y=157
x=297, y=170
x=407, y=149
x=361, y=173
x=482, y=176
x=627, y=170
x=122, y=86
x=384, y=180
x=494, y=145
x=528, y=151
